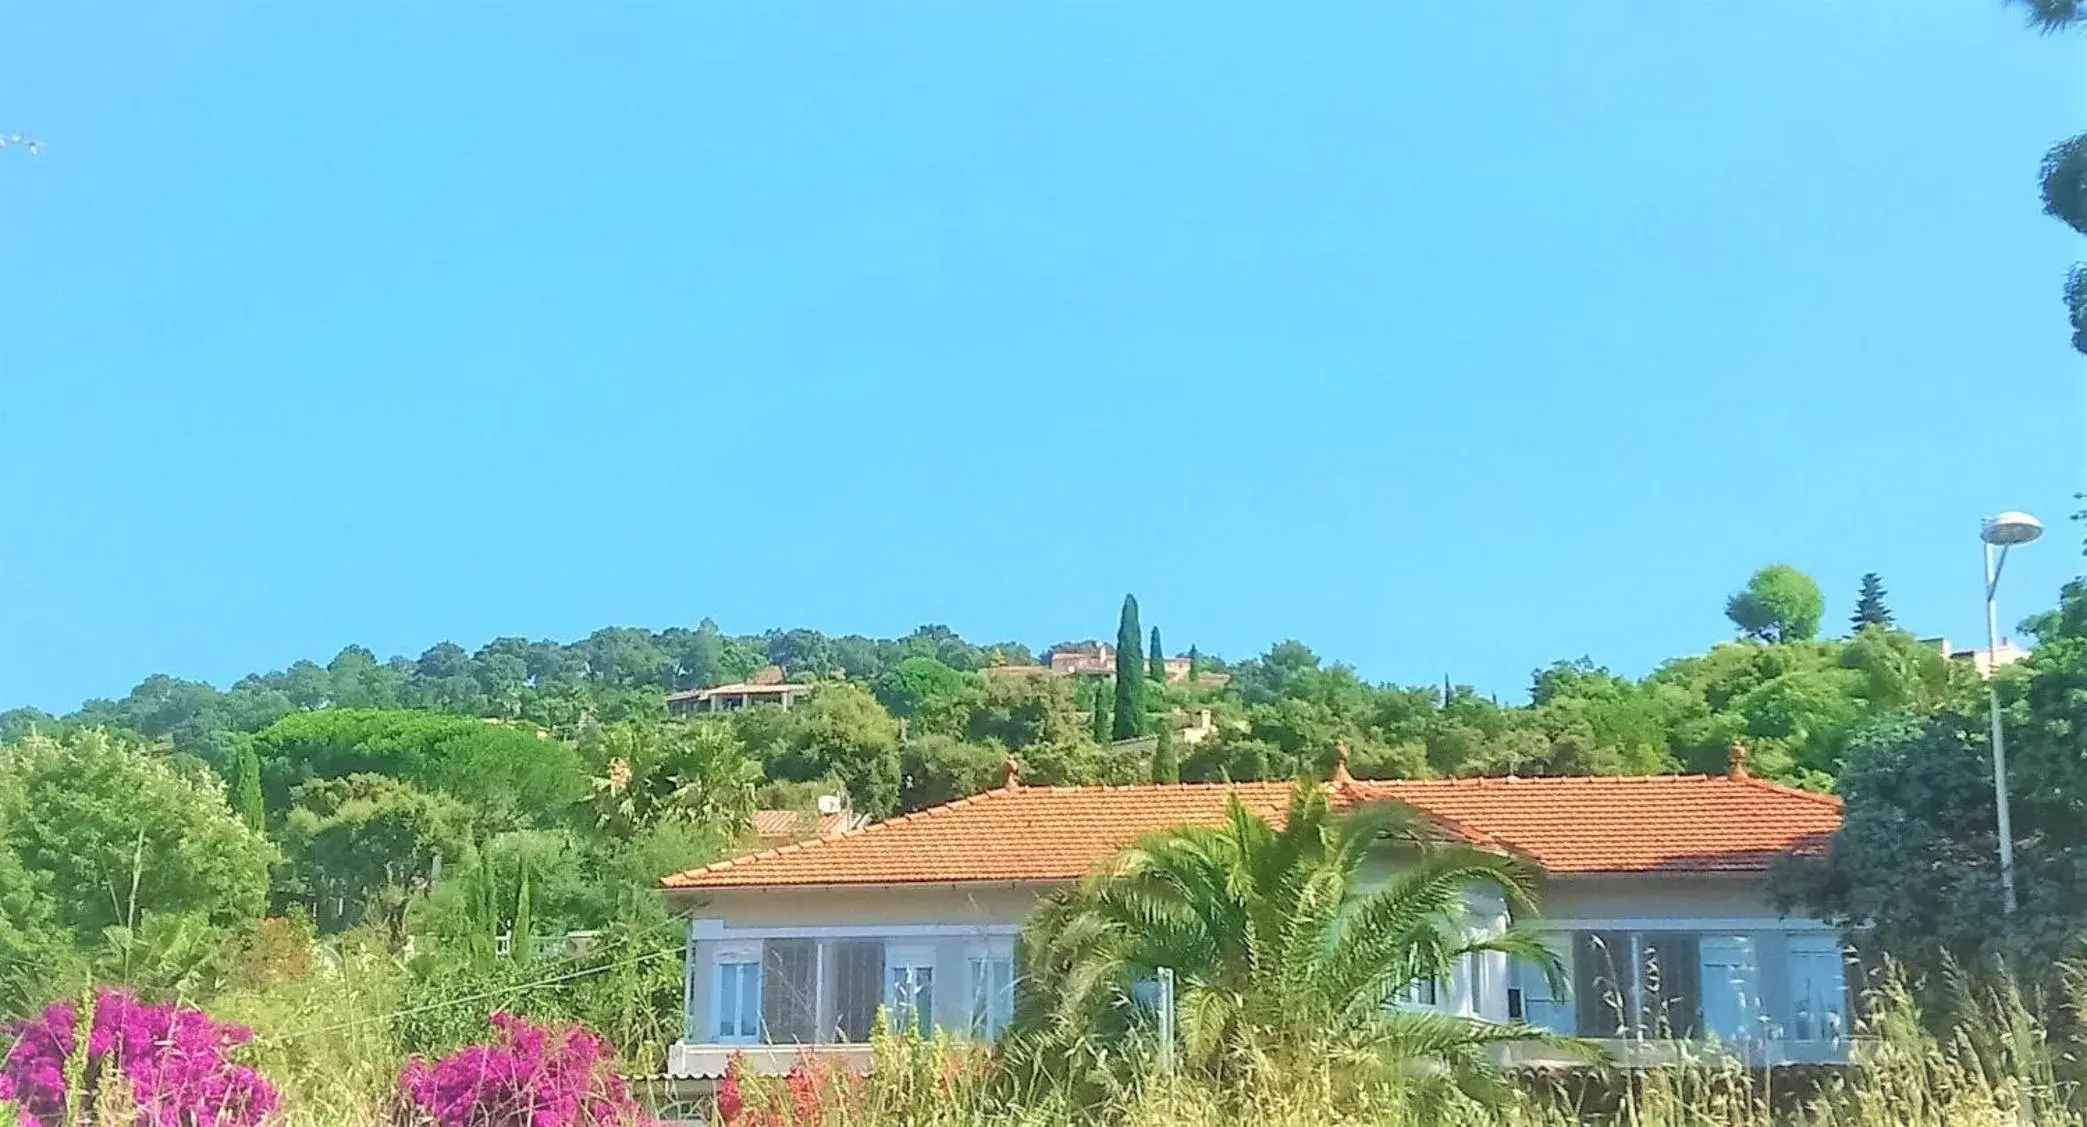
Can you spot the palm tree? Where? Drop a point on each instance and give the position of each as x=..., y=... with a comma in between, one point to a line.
x=1289, y=969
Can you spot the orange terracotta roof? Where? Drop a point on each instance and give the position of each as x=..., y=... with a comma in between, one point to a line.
x=792, y=825
x=1034, y=834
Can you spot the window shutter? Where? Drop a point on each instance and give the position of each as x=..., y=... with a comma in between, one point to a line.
x=858, y=987
x=789, y=998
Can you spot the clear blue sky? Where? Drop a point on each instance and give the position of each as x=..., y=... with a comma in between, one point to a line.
x=1448, y=338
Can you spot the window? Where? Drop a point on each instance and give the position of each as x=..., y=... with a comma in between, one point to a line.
x=1731, y=995
x=736, y=998
x=1530, y=997
x=1604, y=983
x=909, y=988
x=789, y=981
x=1818, y=989
x=858, y=979
x=1424, y=993
x=1637, y=984
x=991, y=974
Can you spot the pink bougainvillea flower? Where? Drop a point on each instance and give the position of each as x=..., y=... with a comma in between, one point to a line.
x=176, y=1063
x=526, y=1074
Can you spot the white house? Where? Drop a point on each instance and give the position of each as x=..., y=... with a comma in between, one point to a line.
x=1654, y=895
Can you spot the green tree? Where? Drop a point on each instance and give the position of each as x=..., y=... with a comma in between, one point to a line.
x=364, y=846
x=646, y=771
x=1287, y=967
x=1130, y=678
x=840, y=732
x=1020, y=713
x=935, y=769
x=701, y=659
x=246, y=790
x=1166, y=765
x=508, y=775
x=1102, y=728
x=1779, y=604
x=1916, y=859
x=522, y=940
x=1869, y=605
x=116, y=835
x=931, y=695
x=1156, y=659
x=1195, y=664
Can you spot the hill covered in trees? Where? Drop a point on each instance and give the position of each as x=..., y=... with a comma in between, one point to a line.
x=1790, y=695
x=451, y=815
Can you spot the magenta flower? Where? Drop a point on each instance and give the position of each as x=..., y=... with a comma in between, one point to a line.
x=174, y=1061
x=527, y=1075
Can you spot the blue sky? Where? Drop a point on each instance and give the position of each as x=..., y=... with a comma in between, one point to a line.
x=1447, y=338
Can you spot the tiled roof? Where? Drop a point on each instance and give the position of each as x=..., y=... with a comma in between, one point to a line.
x=1660, y=823
x=1679, y=823
x=792, y=825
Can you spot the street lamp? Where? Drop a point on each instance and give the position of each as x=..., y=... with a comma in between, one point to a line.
x=2002, y=532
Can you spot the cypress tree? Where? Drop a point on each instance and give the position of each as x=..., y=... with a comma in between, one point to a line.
x=246, y=790
x=519, y=945
x=1156, y=659
x=1102, y=731
x=1130, y=677
x=1195, y=664
x=1869, y=605
x=1166, y=766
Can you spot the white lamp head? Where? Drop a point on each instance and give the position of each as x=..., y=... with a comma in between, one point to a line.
x=2009, y=529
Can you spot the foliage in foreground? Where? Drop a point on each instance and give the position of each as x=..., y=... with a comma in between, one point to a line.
x=150, y=1064
x=1286, y=964
x=525, y=1075
x=1983, y=1056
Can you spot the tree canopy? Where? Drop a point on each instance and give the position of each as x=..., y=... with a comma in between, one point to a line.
x=1283, y=959
x=1779, y=604
x=1916, y=862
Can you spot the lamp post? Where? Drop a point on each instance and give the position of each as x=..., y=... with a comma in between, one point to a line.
x=2002, y=532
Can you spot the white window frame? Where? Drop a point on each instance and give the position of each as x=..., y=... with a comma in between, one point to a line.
x=910, y=958
x=734, y=955
x=983, y=1023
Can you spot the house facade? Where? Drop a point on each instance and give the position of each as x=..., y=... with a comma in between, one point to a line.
x=1653, y=893
x=766, y=686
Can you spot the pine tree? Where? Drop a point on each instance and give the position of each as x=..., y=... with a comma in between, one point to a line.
x=245, y=790
x=1130, y=676
x=1156, y=659
x=1166, y=766
x=1869, y=605
x=1195, y=664
x=1102, y=732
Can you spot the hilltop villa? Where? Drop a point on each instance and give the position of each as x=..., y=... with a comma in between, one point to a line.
x=1654, y=895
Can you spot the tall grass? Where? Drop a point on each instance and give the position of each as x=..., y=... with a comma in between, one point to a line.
x=1971, y=1053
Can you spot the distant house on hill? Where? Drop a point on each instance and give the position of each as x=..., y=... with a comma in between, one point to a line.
x=764, y=687
x=1098, y=659
x=1016, y=671
x=788, y=827
x=1984, y=661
